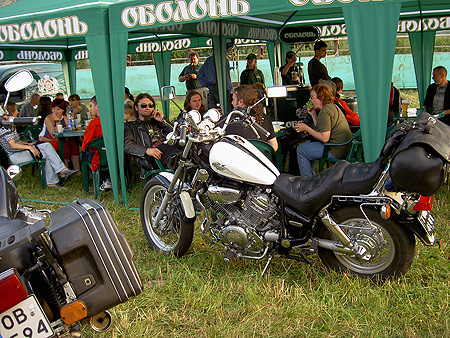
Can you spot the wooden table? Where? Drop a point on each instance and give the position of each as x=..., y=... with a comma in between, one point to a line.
x=62, y=136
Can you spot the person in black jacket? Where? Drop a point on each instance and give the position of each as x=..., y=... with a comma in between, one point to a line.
x=144, y=137
x=438, y=94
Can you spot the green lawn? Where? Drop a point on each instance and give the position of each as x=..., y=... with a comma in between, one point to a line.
x=200, y=295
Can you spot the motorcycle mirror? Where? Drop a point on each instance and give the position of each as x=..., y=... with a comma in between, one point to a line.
x=212, y=114
x=195, y=116
x=168, y=93
x=19, y=81
x=276, y=91
x=14, y=172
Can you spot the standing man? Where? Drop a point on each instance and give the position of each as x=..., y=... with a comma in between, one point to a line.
x=28, y=109
x=189, y=74
x=251, y=75
x=316, y=70
x=438, y=94
x=290, y=71
x=207, y=78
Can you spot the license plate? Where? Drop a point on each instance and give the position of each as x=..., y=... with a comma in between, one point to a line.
x=25, y=319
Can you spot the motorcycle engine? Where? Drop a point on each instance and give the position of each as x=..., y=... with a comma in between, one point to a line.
x=244, y=216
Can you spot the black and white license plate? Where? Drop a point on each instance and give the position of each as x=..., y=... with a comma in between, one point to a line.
x=25, y=319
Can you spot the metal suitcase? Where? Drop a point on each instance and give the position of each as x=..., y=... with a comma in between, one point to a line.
x=95, y=255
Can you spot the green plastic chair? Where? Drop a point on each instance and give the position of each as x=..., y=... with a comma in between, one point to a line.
x=266, y=149
x=99, y=145
x=160, y=168
x=39, y=163
x=31, y=133
x=355, y=153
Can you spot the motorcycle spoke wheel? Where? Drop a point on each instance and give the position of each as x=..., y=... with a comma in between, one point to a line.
x=391, y=247
x=173, y=234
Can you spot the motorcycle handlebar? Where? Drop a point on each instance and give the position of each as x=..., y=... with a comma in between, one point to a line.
x=183, y=133
x=260, y=129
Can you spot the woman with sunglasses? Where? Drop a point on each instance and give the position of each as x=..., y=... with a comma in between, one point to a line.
x=144, y=137
x=331, y=126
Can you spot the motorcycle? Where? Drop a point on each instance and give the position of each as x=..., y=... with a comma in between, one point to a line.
x=346, y=214
x=61, y=269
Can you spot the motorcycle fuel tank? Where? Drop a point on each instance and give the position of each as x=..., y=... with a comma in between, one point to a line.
x=237, y=158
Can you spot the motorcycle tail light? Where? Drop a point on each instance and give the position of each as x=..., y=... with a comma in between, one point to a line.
x=424, y=204
x=12, y=289
x=73, y=312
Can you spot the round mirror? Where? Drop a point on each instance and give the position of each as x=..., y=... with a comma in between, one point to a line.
x=213, y=114
x=19, y=81
x=195, y=115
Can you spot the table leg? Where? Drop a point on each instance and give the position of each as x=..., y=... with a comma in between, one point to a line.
x=61, y=147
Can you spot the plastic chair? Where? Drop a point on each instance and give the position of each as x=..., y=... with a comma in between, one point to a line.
x=40, y=164
x=99, y=145
x=266, y=149
x=31, y=133
x=160, y=168
x=355, y=153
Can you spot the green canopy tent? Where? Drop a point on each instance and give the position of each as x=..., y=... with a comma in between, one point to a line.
x=371, y=28
x=55, y=30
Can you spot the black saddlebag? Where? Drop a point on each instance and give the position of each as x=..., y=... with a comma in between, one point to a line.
x=419, y=151
x=95, y=255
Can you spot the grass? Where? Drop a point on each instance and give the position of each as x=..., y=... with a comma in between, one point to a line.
x=200, y=295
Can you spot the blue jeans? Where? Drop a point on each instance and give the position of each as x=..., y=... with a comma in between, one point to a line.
x=307, y=154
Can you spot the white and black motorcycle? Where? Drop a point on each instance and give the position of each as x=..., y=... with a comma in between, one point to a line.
x=345, y=214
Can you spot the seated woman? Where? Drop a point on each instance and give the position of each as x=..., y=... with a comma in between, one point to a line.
x=331, y=126
x=57, y=117
x=243, y=97
x=10, y=140
x=193, y=101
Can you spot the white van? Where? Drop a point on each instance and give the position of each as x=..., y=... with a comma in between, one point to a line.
x=48, y=80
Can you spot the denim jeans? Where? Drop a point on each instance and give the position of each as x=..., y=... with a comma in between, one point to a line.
x=307, y=154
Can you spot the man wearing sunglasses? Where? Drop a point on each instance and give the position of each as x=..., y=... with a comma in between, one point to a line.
x=144, y=137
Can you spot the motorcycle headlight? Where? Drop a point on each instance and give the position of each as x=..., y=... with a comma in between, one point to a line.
x=195, y=116
x=212, y=114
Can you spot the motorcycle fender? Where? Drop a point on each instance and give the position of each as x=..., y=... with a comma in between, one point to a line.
x=186, y=201
x=413, y=224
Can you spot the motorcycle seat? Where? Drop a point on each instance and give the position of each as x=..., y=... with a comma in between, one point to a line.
x=309, y=194
x=360, y=178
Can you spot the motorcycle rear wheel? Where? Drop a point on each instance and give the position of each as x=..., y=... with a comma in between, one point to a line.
x=174, y=233
x=392, y=252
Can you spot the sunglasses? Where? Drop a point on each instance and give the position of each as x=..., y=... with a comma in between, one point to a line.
x=144, y=105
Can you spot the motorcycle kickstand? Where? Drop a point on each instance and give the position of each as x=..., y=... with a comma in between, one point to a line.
x=269, y=260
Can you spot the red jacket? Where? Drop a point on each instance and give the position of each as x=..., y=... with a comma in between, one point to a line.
x=350, y=115
x=93, y=131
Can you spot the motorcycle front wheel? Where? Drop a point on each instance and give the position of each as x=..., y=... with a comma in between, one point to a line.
x=174, y=233
x=390, y=246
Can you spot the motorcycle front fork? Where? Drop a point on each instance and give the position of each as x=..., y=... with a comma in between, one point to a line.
x=173, y=185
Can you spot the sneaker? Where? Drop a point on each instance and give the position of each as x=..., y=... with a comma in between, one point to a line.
x=106, y=185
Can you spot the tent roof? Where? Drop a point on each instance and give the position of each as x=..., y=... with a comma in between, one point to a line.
x=53, y=24
x=265, y=13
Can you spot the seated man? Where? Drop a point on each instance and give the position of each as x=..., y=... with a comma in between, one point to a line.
x=438, y=94
x=93, y=131
x=77, y=107
x=144, y=137
x=351, y=117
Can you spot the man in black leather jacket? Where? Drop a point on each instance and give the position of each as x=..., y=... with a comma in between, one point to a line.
x=144, y=137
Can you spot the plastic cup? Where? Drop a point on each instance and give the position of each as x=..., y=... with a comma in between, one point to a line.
x=59, y=128
x=405, y=104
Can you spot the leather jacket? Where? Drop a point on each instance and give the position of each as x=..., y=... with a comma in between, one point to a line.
x=140, y=135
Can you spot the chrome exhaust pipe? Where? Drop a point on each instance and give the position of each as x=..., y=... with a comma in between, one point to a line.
x=101, y=322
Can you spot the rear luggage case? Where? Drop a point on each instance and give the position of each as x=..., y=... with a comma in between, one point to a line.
x=95, y=255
